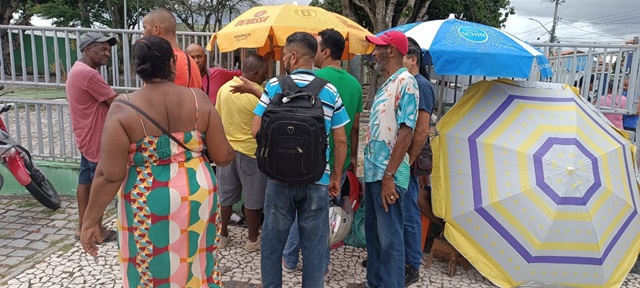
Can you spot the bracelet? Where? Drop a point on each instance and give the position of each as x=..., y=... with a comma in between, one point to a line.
x=389, y=174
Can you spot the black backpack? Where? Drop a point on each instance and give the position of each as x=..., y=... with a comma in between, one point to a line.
x=292, y=139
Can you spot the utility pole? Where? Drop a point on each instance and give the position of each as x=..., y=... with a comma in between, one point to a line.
x=545, y=28
x=552, y=38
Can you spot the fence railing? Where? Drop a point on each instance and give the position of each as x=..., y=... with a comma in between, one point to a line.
x=42, y=56
x=609, y=65
x=43, y=127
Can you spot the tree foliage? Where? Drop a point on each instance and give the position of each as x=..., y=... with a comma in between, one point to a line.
x=488, y=12
x=196, y=15
x=23, y=9
x=206, y=15
x=94, y=13
x=378, y=15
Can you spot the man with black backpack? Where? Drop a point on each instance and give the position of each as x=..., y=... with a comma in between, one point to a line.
x=293, y=120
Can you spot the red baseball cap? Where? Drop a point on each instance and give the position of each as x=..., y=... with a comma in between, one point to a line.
x=394, y=38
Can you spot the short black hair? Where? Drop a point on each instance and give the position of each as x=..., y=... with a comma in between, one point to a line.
x=253, y=62
x=334, y=41
x=304, y=43
x=416, y=51
x=593, y=78
x=152, y=56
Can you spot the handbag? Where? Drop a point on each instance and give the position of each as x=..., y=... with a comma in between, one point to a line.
x=423, y=165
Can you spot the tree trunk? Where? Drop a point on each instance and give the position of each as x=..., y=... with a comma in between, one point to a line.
x=84, y=15
x=116, y=17
x=9, y=7
x=346, y=9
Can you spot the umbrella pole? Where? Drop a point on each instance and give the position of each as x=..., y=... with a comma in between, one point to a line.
x=455, y=90
x=243, y=55
x=273, y=57
x=440, y=97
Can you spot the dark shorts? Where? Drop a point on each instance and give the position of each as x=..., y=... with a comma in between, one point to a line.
x=87, y=170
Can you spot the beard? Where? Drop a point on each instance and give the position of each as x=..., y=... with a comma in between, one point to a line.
x=287, y=68
x=381, y=61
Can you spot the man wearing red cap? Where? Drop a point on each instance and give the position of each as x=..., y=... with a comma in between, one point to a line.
x=394, y=112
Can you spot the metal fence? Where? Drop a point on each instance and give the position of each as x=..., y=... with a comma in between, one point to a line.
x=43, y=127
x=608, y=65
x=42, y=56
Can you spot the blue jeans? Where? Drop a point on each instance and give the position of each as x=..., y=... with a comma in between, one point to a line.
x=291, y=251
x=412, y=224
x=384, y=233
x=282, y=202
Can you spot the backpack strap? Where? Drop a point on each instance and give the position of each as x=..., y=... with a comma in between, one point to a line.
x=315, y=86
x=287, y=84
x=289, y=87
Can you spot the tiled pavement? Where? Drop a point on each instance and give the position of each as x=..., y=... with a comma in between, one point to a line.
x=37, y=250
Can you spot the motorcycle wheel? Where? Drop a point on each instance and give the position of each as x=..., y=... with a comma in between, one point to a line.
x=40, y=186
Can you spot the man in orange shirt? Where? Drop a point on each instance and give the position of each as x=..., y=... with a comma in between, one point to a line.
x=162, y=23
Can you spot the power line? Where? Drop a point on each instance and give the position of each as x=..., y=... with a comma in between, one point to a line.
x=592, y=32
x=539, y=27
x=615, y=14
x=613, y=22
x=616, y=31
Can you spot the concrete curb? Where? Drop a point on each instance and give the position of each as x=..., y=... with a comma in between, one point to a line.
x=46, y=253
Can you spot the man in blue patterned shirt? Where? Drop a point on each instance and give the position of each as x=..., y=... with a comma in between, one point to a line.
x=310, y=202
x=394, y=112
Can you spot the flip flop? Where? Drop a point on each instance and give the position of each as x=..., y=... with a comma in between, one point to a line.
x=111, y=237
x=76, y=237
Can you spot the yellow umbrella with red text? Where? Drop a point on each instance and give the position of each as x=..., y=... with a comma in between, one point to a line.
x=267, y=28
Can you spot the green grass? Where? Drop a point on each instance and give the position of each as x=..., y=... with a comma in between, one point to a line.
x=48, y=212
x=28, y=203
x=57, y=241
x=41, y=94
x=67, y=247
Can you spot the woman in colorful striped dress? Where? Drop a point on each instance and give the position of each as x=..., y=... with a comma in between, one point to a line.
x=168, y=208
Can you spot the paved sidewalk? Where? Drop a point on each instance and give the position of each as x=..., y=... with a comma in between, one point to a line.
x=54, y=260
x=27, y=230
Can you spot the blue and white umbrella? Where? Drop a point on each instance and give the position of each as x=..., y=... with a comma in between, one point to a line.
x=465, y=48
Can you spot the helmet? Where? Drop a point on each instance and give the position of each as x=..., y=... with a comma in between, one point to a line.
x=339, y=224
x=352, y=187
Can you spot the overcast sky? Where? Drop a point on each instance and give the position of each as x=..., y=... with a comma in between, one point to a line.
x=580, y=20
x=610, y=21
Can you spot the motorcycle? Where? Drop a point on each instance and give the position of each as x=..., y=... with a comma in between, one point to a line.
x=18, y=161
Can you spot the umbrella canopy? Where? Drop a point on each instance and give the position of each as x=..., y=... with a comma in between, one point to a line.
x=265, y=27
x=465, y=48
x=534, y=185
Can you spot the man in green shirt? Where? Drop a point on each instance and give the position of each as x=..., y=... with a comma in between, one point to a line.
x=331, y=45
